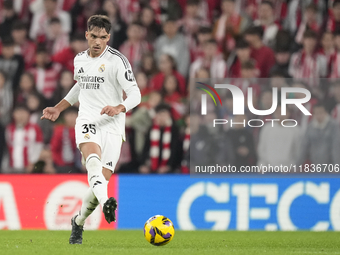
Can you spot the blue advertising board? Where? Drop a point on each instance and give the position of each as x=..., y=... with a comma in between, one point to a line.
x=230, y=204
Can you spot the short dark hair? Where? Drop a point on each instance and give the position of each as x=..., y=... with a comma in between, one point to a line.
x=99, y=21
x=310, y=34
x=19, y=25
x=171, y=19
x=148, y=7
x=163, y=107
x=192, y=2
x=204, y=30
x=54, y=20
x=21, y=106
x=327, y=32
x=8, y=5
x=336, y=32
x=8, y=42
x=135, y=23
x=242, y=44
x=336, y=2
x=268, y=3
x=255, y=30
x=211, y=41
x=41, y=48
x=248, y=65
x=281, y=49
x=277, y=73
x=313, y=7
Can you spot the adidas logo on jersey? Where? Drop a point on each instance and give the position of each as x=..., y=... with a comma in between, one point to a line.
x=81, y=70
x=109, y=163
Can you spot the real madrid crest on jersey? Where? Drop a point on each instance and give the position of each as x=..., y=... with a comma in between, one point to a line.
x=101, y=68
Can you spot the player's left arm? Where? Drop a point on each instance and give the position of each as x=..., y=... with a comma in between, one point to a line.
x=128, y=83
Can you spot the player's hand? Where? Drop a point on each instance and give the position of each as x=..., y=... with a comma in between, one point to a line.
x=50, y=113
x=113, y=110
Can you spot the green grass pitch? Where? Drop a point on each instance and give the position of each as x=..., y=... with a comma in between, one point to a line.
x=184, y=242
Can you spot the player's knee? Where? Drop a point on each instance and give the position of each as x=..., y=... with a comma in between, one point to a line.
x=93, y=163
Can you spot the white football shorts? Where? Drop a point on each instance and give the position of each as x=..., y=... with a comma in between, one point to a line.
x=109, y=143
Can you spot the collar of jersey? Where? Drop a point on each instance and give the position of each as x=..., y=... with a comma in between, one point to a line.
x=87, y=53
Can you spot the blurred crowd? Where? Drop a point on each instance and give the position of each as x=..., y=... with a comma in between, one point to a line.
x=170, y=44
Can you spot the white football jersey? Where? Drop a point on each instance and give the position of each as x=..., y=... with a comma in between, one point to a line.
x=101, y=81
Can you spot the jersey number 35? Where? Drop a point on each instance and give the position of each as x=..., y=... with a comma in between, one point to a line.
x=89, y=127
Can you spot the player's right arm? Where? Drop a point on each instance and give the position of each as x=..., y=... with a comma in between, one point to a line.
x=52, y=113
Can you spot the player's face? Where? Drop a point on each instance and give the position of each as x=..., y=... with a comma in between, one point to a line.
x=97, y=39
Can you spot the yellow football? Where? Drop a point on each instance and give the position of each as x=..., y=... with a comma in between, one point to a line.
x=159, y=230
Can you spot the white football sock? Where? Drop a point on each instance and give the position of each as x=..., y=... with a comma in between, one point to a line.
x=96, y=179
x=89, y=204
